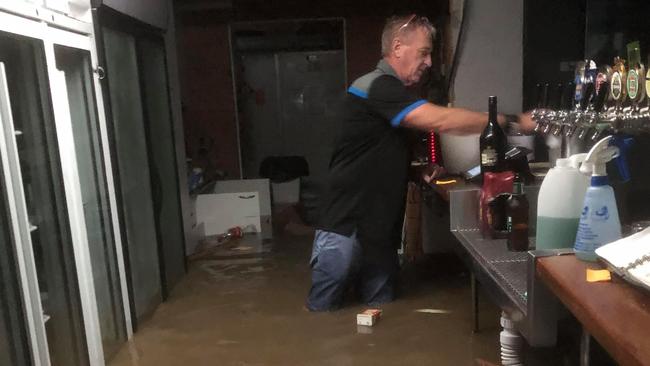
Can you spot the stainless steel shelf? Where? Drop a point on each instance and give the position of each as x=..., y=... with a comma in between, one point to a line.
x=507, y=269
x=507, y=277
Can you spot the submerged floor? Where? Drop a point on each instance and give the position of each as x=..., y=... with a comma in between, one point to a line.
x=240, y=309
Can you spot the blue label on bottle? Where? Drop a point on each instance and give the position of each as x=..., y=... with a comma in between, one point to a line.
x=585, y=238
x=585, y=212
x=601, y=215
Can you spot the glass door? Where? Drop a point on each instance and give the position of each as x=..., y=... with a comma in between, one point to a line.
x=159, y=127
x=14, y=346
x=132, y=161
x=139, y=113
x=74, y=68
x=30, y=145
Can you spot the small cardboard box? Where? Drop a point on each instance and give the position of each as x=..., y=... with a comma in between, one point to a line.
x=368, y=317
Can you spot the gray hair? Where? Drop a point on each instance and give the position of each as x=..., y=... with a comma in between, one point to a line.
x=403, y=25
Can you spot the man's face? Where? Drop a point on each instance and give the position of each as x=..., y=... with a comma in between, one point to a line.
x=414, y=56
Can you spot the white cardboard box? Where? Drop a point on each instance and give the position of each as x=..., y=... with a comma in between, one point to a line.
x=222, y=211
x=263, y=187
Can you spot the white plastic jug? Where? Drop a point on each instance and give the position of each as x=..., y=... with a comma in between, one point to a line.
x=560, y=203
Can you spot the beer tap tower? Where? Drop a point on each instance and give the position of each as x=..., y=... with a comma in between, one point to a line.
x=604, y=101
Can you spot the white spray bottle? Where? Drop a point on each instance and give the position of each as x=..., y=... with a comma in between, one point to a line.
x=599, y=221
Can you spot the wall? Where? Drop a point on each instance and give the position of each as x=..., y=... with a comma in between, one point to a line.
x=206, y=83
x=551, y=62
x=491, y=63
x=363, y=43
x=207, y=96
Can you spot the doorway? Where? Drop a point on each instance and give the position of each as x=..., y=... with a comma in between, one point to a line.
x=289, y=78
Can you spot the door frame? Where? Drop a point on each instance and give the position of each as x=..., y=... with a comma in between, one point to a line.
x=82, y=38
x=104, y=16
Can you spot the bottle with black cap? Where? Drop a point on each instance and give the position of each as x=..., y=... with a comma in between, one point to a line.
x=492, y=142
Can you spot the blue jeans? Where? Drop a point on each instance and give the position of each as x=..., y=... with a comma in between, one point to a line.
x=339, y=261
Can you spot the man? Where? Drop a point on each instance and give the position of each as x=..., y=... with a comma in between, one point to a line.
x=362, y=210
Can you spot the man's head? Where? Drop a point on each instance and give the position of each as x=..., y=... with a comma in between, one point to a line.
x=406, y=44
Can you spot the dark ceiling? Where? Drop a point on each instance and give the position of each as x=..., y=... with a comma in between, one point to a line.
x=212, y=11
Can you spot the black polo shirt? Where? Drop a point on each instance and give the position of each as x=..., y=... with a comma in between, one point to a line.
x=366, y=188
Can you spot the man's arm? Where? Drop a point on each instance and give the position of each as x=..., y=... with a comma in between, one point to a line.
x=457, y=121
x=430, y=117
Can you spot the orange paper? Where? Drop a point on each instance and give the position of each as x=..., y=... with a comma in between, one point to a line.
x=598, y=275
x=444, y=182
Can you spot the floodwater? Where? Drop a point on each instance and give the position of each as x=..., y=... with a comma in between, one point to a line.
x=243, y=306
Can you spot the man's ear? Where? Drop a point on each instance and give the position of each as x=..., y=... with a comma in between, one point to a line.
x=397, y=48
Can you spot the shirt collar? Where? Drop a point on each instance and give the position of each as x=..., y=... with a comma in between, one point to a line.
x=385, y=67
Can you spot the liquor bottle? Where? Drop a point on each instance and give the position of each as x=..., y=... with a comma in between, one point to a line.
x=492, y=142
x=517, y=217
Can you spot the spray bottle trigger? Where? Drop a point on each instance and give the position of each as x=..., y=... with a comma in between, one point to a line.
x=576, y=160
x=598, y=156
x=623, y=143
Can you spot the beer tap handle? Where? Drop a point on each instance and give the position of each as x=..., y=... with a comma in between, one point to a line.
x=555, y=105
x=544, y=100
x=567, y=96
x=538, y=96
x=584, y=104
x=544, y=113
x=537, y=113
x=566, y=105
x=601, y=97
x=586, y=98
x=557, y=97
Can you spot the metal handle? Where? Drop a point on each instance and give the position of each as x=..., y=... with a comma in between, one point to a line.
x=100, y=72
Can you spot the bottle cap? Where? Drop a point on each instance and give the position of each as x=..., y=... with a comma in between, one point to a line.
x=562, y=163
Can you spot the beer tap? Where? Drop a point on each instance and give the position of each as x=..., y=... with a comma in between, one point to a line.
x=581, y=113
x=636, y=94
x=644, y=117
x=554, y=115
x=595, y=120
x=585, y=74
x=568, y=122
x=540, y=111
x=618, y=94
x=644, y=112
x=548, y=116
x=561, y=106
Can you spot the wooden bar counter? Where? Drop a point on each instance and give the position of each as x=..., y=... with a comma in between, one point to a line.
x=615, y=313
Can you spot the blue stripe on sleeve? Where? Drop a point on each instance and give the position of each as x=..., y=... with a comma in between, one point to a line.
x=400, y=116
x=358, y=92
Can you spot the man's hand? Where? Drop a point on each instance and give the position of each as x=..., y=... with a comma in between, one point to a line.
x=526, y=122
